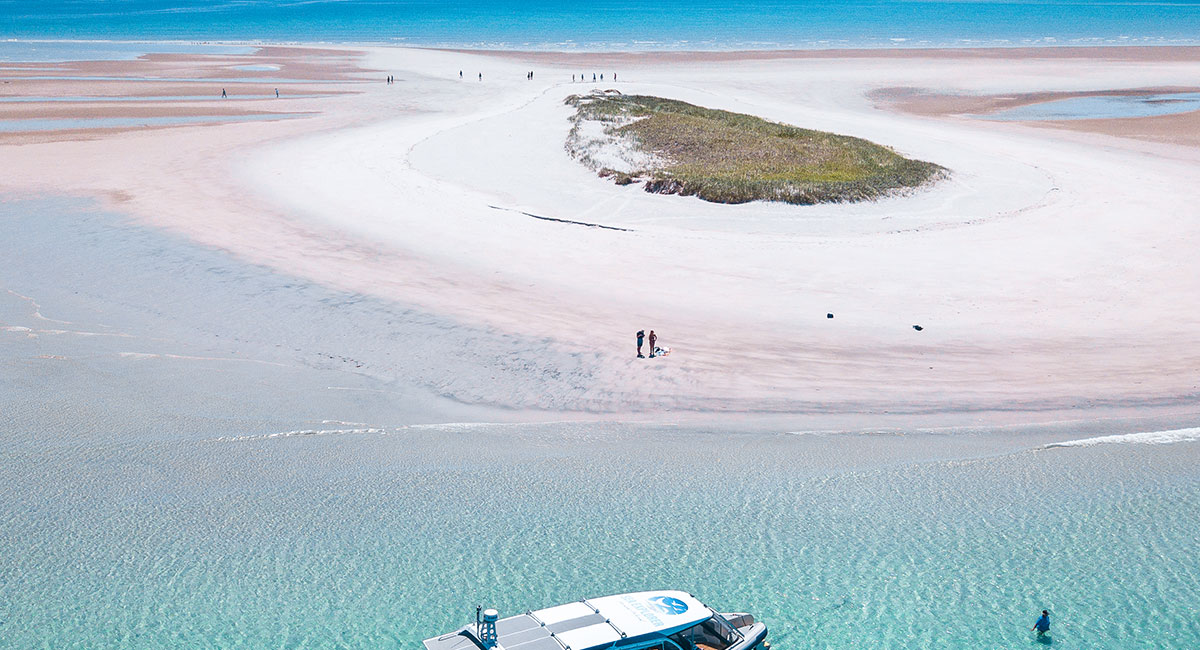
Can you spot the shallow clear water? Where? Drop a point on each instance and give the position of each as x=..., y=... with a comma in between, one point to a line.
x=622, y=24
x=195, y=80
x=49, y=50
x=143, y=98
x=380, y=540
x=61, y=124
x=1103, y=107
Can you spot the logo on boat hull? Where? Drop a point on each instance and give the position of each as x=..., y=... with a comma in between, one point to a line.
x=669, y=605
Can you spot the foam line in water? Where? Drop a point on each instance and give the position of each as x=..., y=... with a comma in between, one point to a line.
x=1144, y=438
x=300, y=433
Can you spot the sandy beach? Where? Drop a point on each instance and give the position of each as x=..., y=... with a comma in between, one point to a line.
x=1050, y=274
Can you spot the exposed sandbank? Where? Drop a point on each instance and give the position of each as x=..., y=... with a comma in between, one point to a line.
x=1181, y=128
x=1053, y=275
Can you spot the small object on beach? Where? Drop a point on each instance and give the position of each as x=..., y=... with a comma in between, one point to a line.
x=918, y=327
x=830, y=315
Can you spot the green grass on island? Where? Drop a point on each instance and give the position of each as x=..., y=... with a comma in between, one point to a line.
x=724, y=157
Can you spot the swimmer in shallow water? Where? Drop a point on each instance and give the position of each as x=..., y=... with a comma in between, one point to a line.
x=1043, y=624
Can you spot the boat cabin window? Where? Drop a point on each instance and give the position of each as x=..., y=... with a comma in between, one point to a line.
x=713, y=634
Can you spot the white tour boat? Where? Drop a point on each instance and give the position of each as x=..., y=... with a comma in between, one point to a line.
x=646, y=620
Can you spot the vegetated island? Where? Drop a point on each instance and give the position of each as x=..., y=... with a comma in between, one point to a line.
x=725, y=157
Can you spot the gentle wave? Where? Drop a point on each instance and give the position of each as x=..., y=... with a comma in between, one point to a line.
x=1144, y=438
x=298, y=433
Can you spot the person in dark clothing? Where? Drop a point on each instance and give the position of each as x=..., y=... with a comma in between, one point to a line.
x=640, y=335
x=223, y=95
x=1043, y=624
x=653, y=341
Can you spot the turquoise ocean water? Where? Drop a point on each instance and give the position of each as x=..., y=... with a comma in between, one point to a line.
x=381, y=540
x=617, y=24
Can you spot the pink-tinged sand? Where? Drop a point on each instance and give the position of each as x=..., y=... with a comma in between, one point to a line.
x=1053, y=271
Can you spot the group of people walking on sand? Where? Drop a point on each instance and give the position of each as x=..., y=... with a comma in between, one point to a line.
x=391, y=80
x=655, y=351
x=529, y=76
x=583, y=78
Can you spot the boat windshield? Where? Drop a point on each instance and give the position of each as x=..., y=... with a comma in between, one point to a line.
x=715, y=633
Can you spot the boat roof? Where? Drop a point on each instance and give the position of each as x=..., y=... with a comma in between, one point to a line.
x=590, y=623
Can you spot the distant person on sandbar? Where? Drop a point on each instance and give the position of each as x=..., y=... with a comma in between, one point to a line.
x=223, y=95
x=1043, y=624
x=460, y=74
x=481, y=76
x=614, y=76
x=653, y=342
x=276, y=93
x=593, y=76
x=572, y=78
x=601, y=76
x=640, y=335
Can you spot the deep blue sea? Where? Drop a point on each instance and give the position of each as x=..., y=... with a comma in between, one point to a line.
x=616, y=24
